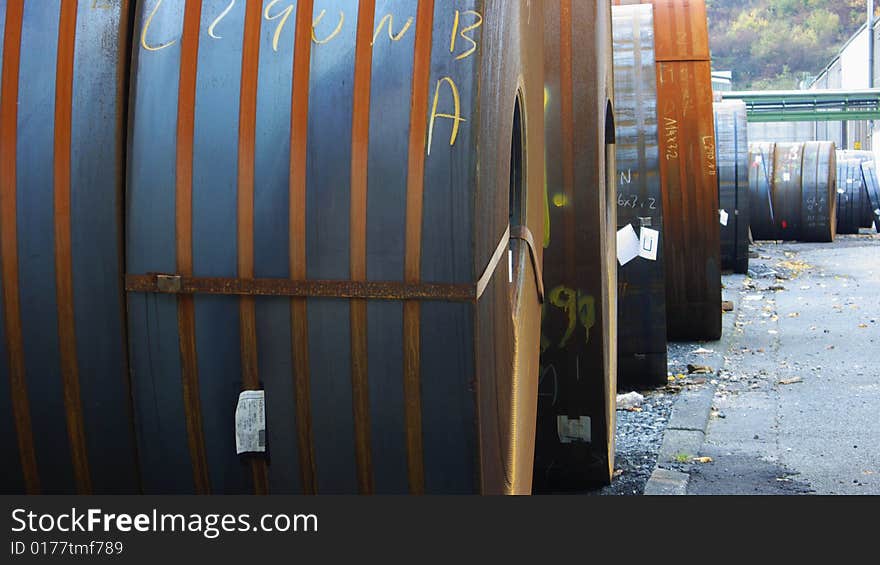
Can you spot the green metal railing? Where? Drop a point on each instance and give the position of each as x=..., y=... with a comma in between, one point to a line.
x=809, y=105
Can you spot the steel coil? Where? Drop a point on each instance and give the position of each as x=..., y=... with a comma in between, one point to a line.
x=325, y=188
x=859, y=200
x=872, y=184
x=732, y=148
x=641, y=285
x=761, y=216
x=793, y=191
x=66, y=424
x=852, y=197
x=688, y=170
x=575, y=433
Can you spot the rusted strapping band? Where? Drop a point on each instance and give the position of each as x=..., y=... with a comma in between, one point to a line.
x=366, y=290
x=523, y=233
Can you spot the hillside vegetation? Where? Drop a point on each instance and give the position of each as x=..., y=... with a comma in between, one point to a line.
x=776, y=43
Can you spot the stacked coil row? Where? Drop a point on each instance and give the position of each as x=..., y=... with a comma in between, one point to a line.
x=793, y=191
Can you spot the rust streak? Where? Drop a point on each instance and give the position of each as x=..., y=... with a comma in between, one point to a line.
x=183, y=201
x=63, y=248
x=9, y=247
x=415, y=184
x=299, y=126
x=360, y=138
x=247, y=119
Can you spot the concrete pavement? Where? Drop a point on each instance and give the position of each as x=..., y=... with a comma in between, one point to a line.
x=795, y=410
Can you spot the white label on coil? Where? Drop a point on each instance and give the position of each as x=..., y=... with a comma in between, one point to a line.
x=786, y=177
x=648, y=242
x=723, y=216
x=250, y=422
x=573, y=430
x=627, y=244
x=841, y=191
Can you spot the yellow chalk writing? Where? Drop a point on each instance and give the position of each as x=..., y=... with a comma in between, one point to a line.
x=463, y=33
x=578, y=307
x=334, y=33
x=282, y=16
x=146, y=29
x=387, y=22
x=456, y=117
x=219, y=18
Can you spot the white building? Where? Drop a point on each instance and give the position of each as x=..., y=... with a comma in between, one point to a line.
x=848, y=71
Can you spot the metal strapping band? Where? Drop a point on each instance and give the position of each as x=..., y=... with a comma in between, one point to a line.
x=523, y=233
x=367, y=290
x=682, y=59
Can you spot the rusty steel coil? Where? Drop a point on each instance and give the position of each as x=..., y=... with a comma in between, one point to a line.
x=66, y=423
x=793, y=191
x=732, y=149
x=852, y=197
x=641, y=299
x=576, y=401
x=688, y=169
x=323, y=188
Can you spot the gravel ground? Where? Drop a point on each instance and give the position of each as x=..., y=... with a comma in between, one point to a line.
x=639, y=435
x=640, y=432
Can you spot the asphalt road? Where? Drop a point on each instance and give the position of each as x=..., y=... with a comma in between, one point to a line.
x=797, y=405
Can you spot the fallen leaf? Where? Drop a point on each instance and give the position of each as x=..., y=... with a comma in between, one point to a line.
x=794, y=315
x=699, y=369
x=703, y=351
x=791, y=381
x=863, y=326
x=702, y=460
x=727, y=306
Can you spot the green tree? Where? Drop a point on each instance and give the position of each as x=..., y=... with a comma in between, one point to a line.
x=773, y=43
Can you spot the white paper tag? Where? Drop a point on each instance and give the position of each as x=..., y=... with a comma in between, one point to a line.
x=724, y=216
x=786, y=177
x=250, y=422
x=627, y=244
x=573, y=430
x=648, y=243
